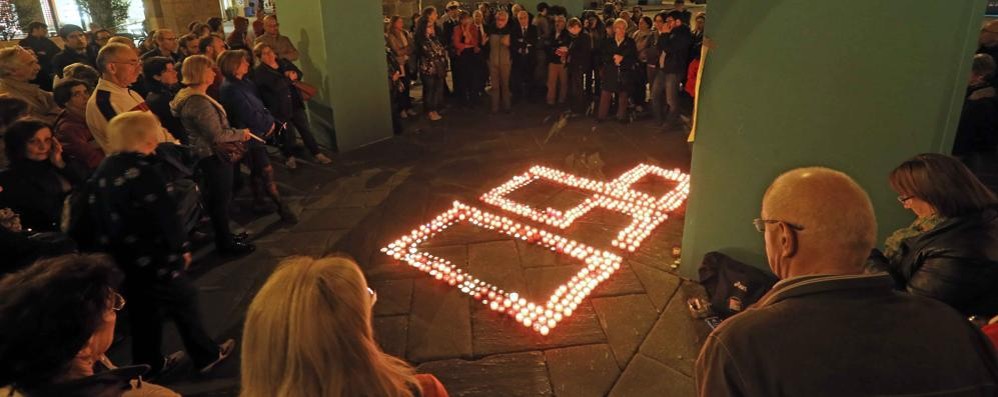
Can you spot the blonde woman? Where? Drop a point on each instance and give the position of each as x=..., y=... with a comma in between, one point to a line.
x=308, y=333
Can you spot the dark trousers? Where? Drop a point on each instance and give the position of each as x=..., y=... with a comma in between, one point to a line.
x=467, y=75
x=605, y=98
x=216, y=187
x=433, y=93
x=404, y=100
x=299, y=123
x=521, y=76
x=578, y=97
x=640, y=93
x=150, y=304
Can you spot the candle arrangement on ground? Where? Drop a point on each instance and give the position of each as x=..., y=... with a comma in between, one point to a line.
x=646, y=211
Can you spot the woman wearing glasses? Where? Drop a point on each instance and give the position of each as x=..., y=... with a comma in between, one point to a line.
x=308, y=333
x=950, y=251
x=70, y=359
x=135, y=219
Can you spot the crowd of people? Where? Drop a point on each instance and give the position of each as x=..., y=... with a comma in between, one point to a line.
x=621, y=59
x=133, y=153
x=109, y=171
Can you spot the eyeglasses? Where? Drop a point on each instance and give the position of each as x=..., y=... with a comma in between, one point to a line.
x=903, y=199
x=130, y=63
x=118, y=301
x=760, y=224
x=374, y=296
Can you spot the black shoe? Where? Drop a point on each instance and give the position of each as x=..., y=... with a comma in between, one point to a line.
x=171, y=364
x=236, y=249
x=240, y=237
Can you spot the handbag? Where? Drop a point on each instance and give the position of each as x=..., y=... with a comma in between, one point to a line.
x=307, y=91
x=231, y=152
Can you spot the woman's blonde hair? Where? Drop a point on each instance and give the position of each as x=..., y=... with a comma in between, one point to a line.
x=130, y=130
x=193, y=69
x=308, y=333
x=258, y=49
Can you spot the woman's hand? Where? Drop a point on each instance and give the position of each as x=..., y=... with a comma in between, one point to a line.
x=188, y=259
x=55, y=154
x=247, y=135
x=617, y=59
x=291, y=75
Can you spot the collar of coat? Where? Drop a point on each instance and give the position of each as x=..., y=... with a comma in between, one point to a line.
x=820, y=283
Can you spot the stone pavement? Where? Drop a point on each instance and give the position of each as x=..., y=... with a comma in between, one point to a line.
x=632, y=337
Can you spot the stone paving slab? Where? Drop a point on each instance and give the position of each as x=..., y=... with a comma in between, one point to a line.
x=439, y=322
x=390, y=333
x=676, y=338
x=659, y=284
x=394, y=297
x=510, y=375
x=582, y=371
x=625, y=329
x=647, y=377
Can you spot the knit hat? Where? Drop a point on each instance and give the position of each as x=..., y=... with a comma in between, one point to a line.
x=68, y=29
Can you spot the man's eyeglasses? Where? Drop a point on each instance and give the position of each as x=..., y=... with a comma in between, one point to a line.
x=130, y=63
x=117, y=301
x=374, y=295
x=904, y=199
x=760, y=224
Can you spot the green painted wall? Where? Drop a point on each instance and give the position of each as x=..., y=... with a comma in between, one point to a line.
x=343, y=53
x=854, y=85
x=574, y=7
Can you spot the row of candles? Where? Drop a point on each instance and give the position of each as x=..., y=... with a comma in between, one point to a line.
x=647, y=212
x=542, y=318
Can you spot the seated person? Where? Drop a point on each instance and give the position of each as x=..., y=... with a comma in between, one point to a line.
x=308, y=333
x=162, y=83
x=949, y=252
x=58, y=352
x=21, y=248
x=76, y=49
x=38, y=179
x=81, y=71
x=828, y=328
x=11, y=109
x=71, y=129
x=17, y=68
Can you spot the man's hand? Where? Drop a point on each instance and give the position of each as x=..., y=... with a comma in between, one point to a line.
x=617, y=59
x=188, y=259
x=291, y=75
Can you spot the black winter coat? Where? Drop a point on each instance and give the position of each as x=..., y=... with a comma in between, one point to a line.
x=676, y=46
x=956, y=263
x=580, y=54
x=619, y=77
x=978, y=128
x=36, y=191
x=276, y=91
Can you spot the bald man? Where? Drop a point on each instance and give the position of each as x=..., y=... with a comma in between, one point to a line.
x=280, y=44
x=829, y=329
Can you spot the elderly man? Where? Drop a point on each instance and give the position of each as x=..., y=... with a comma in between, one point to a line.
x=272, y=37
x=75, y=51
x=120, y=67
x=17, y=68
x=500, y=63
x=829, y=329
x=167, y=45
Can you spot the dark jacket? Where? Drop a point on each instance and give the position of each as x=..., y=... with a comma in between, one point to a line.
x=21, y=249
x=158, y=99
x=677, y=49
x=276, y=91
x=956, y=263
x=176, y=56
x=36, y=190
x=522, y=45
x=618, y=77
x=580, y=54
x=563, y=40
x=245, y=108
x=846, y=336
x=136, y=219
x=978, y=128
x=68, y=57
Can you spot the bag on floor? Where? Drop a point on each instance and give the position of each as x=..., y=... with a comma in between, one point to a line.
x=732, y=286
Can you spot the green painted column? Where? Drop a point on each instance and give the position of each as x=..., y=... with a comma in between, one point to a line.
x=854, y=85
x=574, y=7
x=342, y=50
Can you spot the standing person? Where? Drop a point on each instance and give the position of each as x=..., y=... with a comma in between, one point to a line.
x=674, y=44
x=432, y=63
x=523, y=39
x=619, y=59
x=545, y=29
x=480, y=22
x=977, y=133
x=308, y=333
x=830, y=328
x=211, y=47
x=579, y=66
x=100, y=39
x=163, y=84
x=207, y=125
x=275, y=82
x=402, y=47
x=500, y=63
x=120, y=68
x=697, y=34
x=167, y=45
x=272, y=36
x=258, y=24
x=17, y=68
x=557, y=57
x=467, y=40
x=38, y=179
x=75, y=49
x=245, y=109
x=136, y=221
x=644, y=41
x=71, y=129
x=240, y=39
x=597, y=35
x=38, y=42
x=216, y=27
x=684, y=14
x=189, y=45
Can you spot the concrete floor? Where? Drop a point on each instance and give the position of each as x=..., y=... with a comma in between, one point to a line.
x=632, y=337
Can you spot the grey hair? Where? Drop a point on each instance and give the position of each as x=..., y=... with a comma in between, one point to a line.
x=109, y=51
x=9, y=61
x=983, y=65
